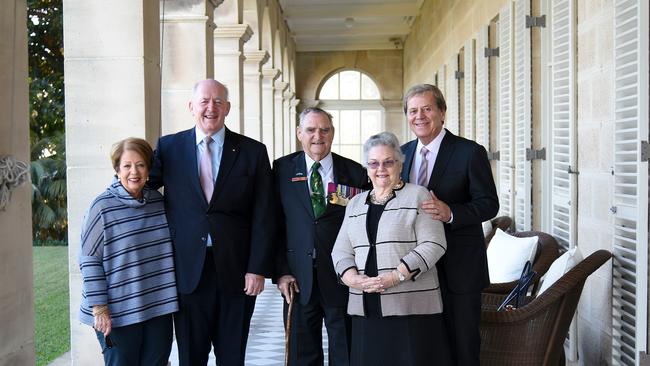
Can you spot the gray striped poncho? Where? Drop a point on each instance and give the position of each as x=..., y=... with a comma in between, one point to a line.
x=126, y=257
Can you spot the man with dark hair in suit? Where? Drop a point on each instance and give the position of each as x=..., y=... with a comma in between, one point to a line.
x=308, y=225
x=218, y=197
x=463, y=195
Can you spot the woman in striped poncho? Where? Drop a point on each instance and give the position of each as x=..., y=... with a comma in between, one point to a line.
x=126, y=260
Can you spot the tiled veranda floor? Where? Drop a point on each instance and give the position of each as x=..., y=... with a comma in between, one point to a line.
x=266, y=337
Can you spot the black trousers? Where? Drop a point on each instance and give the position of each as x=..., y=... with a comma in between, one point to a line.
x=462, y=314
x=211, y=317
x=306, y=347
x=145, y=343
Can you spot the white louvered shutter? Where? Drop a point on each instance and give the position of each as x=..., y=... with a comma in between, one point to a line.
x=523, y=119
x=469, y=91
x=563, y=152
x=452, y=117
x=482, y=89
x=563, y=140
x=505, y=110
x=442, y=78
x=630, y=199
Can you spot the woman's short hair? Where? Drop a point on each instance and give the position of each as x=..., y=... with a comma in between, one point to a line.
x=426, y=88
x=383, y=139
x=135, y=144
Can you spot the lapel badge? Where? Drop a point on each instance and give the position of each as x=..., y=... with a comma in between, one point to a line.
x=298, y=179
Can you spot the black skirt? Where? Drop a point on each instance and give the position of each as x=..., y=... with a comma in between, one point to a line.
x=410, y=340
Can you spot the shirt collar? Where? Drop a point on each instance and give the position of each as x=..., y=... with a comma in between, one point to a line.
x=218, y=137
x=434, y=145
x=326, y=163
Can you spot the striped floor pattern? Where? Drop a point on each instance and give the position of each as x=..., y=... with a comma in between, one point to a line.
x=266, y=337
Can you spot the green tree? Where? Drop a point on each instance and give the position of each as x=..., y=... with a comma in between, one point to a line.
x=47, y=119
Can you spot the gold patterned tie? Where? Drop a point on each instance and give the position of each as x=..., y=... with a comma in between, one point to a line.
x=318, y=194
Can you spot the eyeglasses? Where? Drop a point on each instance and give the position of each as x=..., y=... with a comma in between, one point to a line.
x=389, y=163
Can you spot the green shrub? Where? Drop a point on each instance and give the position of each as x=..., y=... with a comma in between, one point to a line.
x=49, y=242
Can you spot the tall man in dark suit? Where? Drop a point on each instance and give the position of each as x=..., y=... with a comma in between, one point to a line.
x=458, y=174
x=308, y=228
x=219, y=210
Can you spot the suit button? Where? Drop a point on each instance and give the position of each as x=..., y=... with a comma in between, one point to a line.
x=316, y=222
x=203, y=238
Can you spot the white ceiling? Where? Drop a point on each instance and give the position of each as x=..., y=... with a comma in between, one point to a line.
x=330, y=25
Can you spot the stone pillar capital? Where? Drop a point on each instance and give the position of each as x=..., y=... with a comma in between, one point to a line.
x=216, y=3
x=294, y=102
x=310, y=103
x=270, y=74
x=243, y=32
x=257, y=58
x=288, y=94
x=280, y=86
x=391, y=104
x=183, y=18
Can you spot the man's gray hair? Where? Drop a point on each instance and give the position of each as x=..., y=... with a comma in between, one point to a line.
x=196, y=86
x=383, y=139
x=426, y=88
x=308, y=110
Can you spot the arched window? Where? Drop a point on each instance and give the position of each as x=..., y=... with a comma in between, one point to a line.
x=353, y=100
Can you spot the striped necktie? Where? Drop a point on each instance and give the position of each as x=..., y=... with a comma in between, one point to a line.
x=424, y=167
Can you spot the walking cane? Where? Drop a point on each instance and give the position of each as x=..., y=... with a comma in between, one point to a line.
x=287, y=330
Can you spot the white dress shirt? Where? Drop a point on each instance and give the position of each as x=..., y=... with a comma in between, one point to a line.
x=433, y=147
x=326, y=171
x=216, y=150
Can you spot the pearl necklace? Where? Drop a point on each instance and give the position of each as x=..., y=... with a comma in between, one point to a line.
x=391, y=194
x=381, y=201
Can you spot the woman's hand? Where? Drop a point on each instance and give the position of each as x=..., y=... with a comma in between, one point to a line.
x=388, y=279
x=353, y=279
x=103, y=322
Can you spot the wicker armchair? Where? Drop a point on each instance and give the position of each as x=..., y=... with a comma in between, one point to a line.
x=547, y=252
x=534, y=334
x=502, y=222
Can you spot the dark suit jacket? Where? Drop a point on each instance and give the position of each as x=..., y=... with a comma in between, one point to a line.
x=238, y=217
x=462, y=178
x=300, y=232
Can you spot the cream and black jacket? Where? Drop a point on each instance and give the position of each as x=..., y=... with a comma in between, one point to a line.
x=405, y=233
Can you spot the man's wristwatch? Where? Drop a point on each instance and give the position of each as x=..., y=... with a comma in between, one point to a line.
x=400, y=275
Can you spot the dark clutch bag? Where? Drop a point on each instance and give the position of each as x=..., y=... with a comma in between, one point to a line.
x=517, y=296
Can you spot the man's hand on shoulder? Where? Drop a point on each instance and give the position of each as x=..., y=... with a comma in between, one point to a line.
x=437, y=209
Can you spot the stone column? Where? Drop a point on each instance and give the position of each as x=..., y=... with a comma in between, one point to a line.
x=229, y=68
x=289, y=123
x=268, y=109
x=293, y=117
x=16, y=291
x=253, y=96
x=395, y=121
x=187, y=57
x=112, y=91
x=278, y=125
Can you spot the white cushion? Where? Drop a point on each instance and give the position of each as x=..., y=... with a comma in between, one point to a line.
x=487, y=228
x=507, y=256
x=559, y=267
